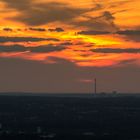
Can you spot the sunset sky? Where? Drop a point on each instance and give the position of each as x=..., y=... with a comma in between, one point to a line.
x=59, y=46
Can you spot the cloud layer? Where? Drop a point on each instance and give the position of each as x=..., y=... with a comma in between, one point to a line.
x=35, y=14
x=104, y=22
x=25, y=39
x=128, y=34
x=38, y=49
x=116, y=50
x=39, y=14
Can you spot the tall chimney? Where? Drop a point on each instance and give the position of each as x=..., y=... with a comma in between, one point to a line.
x=95, y=86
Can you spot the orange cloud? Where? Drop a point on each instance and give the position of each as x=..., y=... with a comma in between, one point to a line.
x=110, y=24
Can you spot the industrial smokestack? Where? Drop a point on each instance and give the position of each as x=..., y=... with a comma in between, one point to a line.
x=95, y=86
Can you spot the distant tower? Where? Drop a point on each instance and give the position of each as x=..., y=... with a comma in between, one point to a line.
x=95, y=86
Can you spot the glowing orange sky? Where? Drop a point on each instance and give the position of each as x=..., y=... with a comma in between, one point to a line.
x=103, y=19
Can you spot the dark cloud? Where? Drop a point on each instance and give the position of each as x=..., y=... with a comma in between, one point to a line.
x=13, y=48
x=116, y=50
x=104, y=22
x=115, y=4
x=43, y=13
x=33, y=14
x=37, y=29
x=56, y=30
x=107, y=15
x=52, y=39
x=97, y=6
x=18, y=4
x=8, y=29
x=130, y=34
x=67, y=43
x=38, y=49
x=25, y=39
x=46, y=49
x=89, y=32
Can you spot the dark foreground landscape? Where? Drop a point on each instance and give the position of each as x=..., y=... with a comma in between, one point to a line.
x=69, y=117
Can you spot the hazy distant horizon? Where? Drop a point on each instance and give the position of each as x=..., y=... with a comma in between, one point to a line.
x=68, y=93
